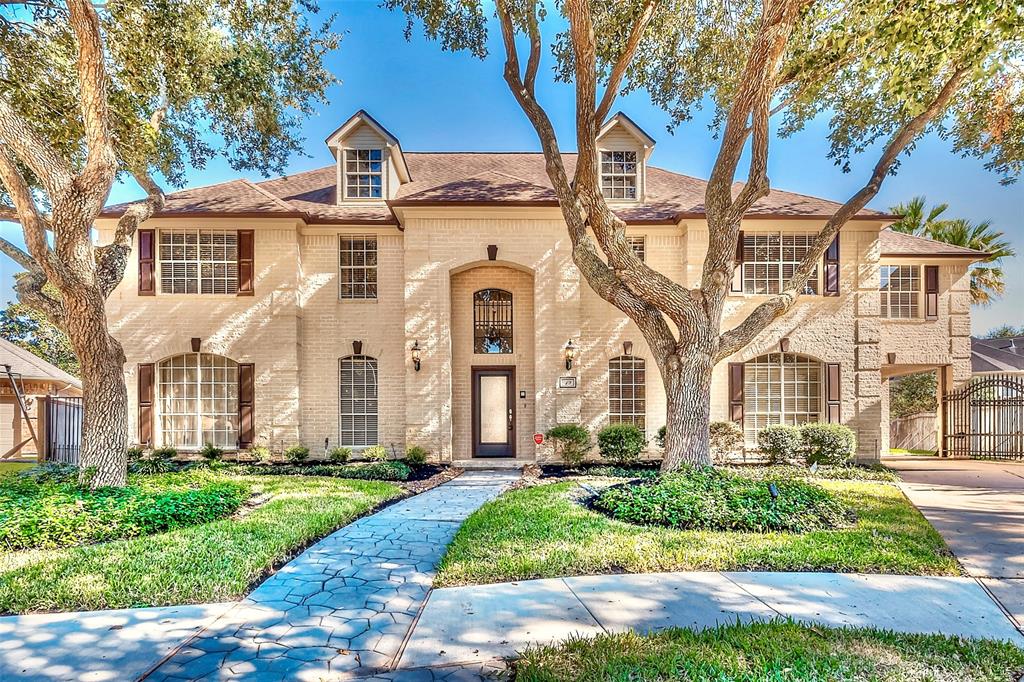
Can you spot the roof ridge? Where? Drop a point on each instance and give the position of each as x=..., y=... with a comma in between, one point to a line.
x=919, y=237
x=273, y=197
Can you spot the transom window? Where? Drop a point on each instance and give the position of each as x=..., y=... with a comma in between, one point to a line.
x=492, y=321
x=618, y=175
x=900, y=287
x=627, y=391
x=364, y=173
x=198, y=401
x=358, y=267
x=639, y=246
x=357, y=420
x=780, y=388
x=770, y=259
x=199, y=262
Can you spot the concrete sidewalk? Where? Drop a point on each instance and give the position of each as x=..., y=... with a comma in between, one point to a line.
x=978, y=508
x=481, y=622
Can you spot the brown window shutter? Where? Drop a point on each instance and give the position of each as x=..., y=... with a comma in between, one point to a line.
x=147, y=262
x=931, y=291
x=245, y=262
x=832, y=268
x=146, y=376
x=246, y=398
x=737, y=272
x=833, y=393
x=736, y=392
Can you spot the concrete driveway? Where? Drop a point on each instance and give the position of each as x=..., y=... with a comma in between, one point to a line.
x=978, y=507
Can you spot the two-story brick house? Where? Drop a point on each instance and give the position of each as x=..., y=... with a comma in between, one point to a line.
x=429, y=298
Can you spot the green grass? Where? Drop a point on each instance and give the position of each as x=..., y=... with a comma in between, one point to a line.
x=773, y=652
x=211, y=562
x=8, y=467
x=540, y=532
x=901, y=451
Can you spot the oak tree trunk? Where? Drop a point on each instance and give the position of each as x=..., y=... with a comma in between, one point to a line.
x=105, y=401
x=687, y=380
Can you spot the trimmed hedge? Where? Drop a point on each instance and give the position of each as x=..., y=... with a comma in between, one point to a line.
x=710, y=499
x=48, y=509
x=828, y=443
x=392, y=470
x=779, y=442
x=621, y=444
x=571, y=442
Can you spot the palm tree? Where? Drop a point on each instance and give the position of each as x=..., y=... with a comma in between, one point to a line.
x=987, y=282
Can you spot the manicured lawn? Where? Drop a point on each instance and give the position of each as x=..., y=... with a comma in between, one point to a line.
x=206, y=563
x=7, y=467
x=540, y=532
x=901, y=451
x=773, y=652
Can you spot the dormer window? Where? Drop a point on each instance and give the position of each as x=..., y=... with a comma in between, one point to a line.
x=364, y=173
x=619, y=175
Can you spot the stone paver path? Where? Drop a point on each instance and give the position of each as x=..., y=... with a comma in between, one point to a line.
x=480, y=623
x=344, y=606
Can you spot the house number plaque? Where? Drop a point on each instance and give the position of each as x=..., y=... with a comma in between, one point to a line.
x=567, y=382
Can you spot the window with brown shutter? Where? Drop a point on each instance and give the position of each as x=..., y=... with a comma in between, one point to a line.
x=147, y=262
x=736, y=392
x=246, y=400
x=245, y=262
x=832, y=268
x=931, y=291
x=833, y=393
x=146, y=403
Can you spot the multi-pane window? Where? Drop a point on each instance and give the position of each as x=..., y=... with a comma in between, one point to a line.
x=627, y=391
x=357, y=273
x=619, y=175
x=780, y=388
x=199, y=262
x=900, y=287
x=639, y=246
x=770, y=259
x=492, y=321
x=198, y=401
x=364, y=173
x=357, y=411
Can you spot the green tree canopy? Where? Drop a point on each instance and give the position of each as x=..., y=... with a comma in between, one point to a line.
x=28, y=328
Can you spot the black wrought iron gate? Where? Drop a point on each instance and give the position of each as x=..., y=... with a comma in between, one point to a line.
x=62, y=433
x=985, y=418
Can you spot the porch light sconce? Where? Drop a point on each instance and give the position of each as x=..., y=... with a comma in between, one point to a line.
x=570, y=353
x=891, y=358
x=357, y=347
x=492, y=252
x=627, y=347
x=196, y=343
x=784, y=344
x=415, y=352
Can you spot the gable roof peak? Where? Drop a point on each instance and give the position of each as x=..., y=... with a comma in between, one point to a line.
x=620, y=119
x=363, y=117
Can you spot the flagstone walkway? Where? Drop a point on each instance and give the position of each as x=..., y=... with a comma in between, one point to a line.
x=343, y=607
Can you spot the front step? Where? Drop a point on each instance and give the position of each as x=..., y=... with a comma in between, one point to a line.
x=489, y=463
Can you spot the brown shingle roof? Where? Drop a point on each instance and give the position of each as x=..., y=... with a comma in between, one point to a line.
x=465, y=178
x=31, y=367
x=901, y=244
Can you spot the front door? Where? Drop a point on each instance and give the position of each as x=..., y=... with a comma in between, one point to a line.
x=494, y=413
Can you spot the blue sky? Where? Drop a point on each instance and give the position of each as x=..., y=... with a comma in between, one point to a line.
x=436, y=101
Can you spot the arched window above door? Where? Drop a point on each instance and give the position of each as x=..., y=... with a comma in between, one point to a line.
x=492, y=321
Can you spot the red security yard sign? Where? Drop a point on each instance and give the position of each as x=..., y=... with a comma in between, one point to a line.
x=538, y=438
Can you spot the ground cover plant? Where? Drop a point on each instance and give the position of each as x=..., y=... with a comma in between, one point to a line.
x=209, y=562
x=544, y=532
x=776, y=652
x=705, y=498
x=46, y=507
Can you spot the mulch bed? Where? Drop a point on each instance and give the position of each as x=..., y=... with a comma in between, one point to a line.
x=557, y=471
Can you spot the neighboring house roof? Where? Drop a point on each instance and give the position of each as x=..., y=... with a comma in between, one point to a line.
x=997, y=355
x=901, y=244
x=30, y=366
x=461, y=178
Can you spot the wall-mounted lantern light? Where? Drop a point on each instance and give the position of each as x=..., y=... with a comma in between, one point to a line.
x=570, y=353
x=627, y=347
x=415, y=353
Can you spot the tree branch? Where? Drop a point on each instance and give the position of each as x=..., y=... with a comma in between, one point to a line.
x=112, y=259
x=625, y=59
x=17, y=255
x=34, y=151
x=33, y=224
x=767, y=312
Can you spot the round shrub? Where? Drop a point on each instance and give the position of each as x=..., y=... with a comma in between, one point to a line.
x=416, y=455
x=779, y=443
x=726, y=438
x=571, y=443
x=828, y=443
x=296, y=454
x=261, y=453
x=709, y=499
x=211, y=453
x=621, y=444
x=376, y=453
x=339, y=455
